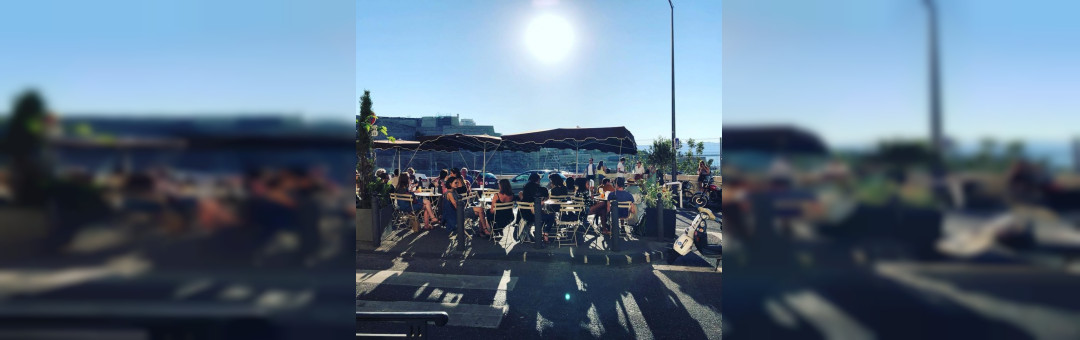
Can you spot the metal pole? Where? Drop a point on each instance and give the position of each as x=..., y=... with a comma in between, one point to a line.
x=674, y=151
x=936, y=137
x=460, y=220
x=613, y=214
x=376, y=229
x=538, y=236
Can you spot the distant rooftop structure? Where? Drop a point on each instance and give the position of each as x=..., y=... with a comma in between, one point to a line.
x=410, y=128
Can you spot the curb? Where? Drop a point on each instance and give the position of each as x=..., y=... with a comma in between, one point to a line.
x=615, y=259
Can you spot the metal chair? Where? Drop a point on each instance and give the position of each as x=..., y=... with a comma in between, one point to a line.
x=624, y=220
x=567, y=221
x=525, y=219
x=401, y=215
x=504, y=216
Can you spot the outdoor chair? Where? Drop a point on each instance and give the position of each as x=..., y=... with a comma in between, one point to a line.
x=567, y=222
x=525, y=219
x=401, y=215
x=504, y=216
x=624, y=221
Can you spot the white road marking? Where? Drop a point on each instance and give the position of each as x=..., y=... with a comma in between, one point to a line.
x=826, y=317
x=780, y=314
x=15, y=282
x=191, y=288
x=684, y=268
x=595, y=327
x=632, y=320
x=416, y=279
x=706, y=317
x=463, y=315
x=1042, y=322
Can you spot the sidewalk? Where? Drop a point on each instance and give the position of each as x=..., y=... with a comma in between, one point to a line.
x=590, y=249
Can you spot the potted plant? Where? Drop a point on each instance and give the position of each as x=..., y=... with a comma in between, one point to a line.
x=658, y=201
x=366, y=183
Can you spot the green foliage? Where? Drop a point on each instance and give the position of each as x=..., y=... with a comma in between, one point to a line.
x=650, y=191
x=659, y=154
x=365, y=164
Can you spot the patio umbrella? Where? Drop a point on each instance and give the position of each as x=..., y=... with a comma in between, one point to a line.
x=605, y=139
x=482, y=143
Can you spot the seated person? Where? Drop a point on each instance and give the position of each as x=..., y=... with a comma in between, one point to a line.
x=620, y=195
x=505, y=195
x=418, y=204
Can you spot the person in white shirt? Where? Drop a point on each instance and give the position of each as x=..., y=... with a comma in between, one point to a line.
x=639, y=171
x=591, y=174
x=621, y=167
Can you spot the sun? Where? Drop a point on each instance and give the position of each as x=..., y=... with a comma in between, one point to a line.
x=549, y=37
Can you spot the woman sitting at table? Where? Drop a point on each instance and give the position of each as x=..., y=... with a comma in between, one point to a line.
x=402, y=188
x=505, y=195
x=558, y=188
x=570, y=187
x=601, y=171
x=458, y=186
x=533, y=189
x=437, y=183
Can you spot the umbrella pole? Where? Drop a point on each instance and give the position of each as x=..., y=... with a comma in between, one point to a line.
x=577, y=160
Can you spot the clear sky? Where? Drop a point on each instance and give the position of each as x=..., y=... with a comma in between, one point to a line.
x=855, y=70
x=182, y=56
x=473, y=58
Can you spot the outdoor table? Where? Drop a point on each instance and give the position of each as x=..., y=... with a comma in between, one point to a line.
x=430, y=196
x=680, y=191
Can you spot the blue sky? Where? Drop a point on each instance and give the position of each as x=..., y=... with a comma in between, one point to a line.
x=471, y=58
x=182, y=56
x=855, y=70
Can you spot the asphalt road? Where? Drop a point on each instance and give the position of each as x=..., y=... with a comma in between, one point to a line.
x=497, y=299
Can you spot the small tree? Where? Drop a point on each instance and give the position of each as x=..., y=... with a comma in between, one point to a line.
x=659, y=154
x=365, y=164
x=25, y=143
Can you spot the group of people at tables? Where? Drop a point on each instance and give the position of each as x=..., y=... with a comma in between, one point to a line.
x=457, y=180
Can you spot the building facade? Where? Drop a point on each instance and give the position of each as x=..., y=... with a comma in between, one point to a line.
x=411, y=128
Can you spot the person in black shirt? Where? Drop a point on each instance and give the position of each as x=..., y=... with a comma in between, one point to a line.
x=532, y=189
x=558, y=188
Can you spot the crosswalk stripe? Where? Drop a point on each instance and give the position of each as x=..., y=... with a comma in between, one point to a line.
x=461, y=314
x=829, y=319
x=1040, y=321
x=416, y=279
x=684, y=268
x=706, y=317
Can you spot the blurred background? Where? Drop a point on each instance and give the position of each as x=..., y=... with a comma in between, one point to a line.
x=901, y=169
x=176, y=168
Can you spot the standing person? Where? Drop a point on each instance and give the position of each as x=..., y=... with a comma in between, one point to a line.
x=639, y=171
x=590, y=173
x=601, y=171
x=621, y=167
x=702, y=175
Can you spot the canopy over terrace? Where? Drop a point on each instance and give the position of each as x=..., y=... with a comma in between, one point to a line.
x=605, y=139
x=482, y=143
x=772, y=139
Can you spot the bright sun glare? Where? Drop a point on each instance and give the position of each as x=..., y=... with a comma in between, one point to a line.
x=549, y=37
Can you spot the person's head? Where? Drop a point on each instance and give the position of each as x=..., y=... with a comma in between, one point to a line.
x=606, y=181
x=638, y=163
x=556, y=180
x=590, y=160
x=455, y=171
x=443, y=173
x=456, y=182
x=701, y=163
x=378, y=173
x=534, y=178
x=385, y=177
x=622, y=160
x=410, y=171
x=504, y=187
x=570, y=184
x=397, y=173
x=464, y=172
x=620, y=183
x=403, y=182
x=601, y=164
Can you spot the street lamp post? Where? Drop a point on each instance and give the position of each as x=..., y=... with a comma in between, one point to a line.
x=937, y=141
x=675, y=151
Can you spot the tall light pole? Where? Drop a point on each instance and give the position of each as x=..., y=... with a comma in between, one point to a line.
x=936, y=138
x=674, y=151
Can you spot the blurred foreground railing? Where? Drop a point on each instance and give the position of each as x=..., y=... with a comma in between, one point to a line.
x=155, y=322
x=417, y=322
